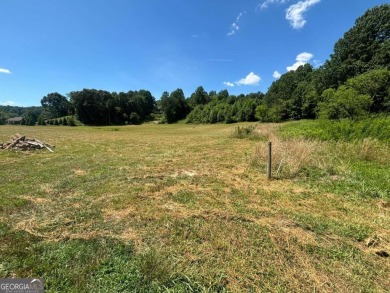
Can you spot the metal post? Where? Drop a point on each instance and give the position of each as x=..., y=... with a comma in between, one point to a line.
x=269, y=166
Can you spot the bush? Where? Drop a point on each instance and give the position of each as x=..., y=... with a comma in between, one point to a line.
x=134, y=118
x=343, y=103
x=249, y=132
x=71, y=121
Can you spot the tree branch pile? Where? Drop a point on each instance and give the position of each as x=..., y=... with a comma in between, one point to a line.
x=21, y=142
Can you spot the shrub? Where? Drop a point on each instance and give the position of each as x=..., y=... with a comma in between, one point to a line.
x=71, y=121
x=343, y=103
x=249, y=132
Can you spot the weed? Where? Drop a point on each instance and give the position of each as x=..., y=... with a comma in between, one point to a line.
x=248, y=132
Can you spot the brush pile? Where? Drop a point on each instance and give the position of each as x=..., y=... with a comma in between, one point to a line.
x=21, y=142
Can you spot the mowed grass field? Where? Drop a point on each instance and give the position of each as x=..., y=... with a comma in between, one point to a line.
x=184, y=208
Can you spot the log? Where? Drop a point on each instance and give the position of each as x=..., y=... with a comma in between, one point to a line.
x=24, y=143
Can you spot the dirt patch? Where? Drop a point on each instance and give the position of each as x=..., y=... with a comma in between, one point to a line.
x=38, y=200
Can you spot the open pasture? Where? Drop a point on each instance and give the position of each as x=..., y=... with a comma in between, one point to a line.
x=184, y=208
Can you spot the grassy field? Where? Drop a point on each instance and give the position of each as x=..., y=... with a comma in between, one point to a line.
x=183, y=208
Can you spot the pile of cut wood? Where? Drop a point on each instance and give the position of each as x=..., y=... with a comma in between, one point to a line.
x=21, y=142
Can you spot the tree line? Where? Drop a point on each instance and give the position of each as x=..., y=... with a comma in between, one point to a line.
x=354, y=82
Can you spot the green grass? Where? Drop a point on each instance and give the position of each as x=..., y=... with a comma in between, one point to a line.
x=360, y=165
x=375, y=127
x=184, y=208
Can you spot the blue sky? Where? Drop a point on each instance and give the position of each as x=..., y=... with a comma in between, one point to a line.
x=161, y=45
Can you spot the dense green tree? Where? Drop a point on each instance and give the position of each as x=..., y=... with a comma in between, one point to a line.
x=226, y=108
x=364, y=47
x=142, y=103
x=16, y=111
x=55, y=105
x=199, y=97
x=270, y=114
x=343, y=103
x=91, y=106
x=41, y=120
x=222, y=95
x=134, y=118
x=31, y=117
x=292, y=95
x=174, y=106
x=3, y=118
x=212, y=94
x=376, y=84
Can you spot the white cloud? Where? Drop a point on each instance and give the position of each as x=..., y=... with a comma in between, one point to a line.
x=240, y=15
x=295, y=12
x=6, y=71
x=276, y=74
x=8, y=103
x=250, y=79
x=234, y=27
x=317, y=63
x=295, y=66
x=304, y=57
x=301, y=59
x=266, y=3
x=232, y=32
x=228, y=83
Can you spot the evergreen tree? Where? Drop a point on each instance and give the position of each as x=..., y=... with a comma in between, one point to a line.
x=71, y=121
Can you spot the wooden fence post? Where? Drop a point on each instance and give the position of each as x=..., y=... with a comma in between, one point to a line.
x=269, y=165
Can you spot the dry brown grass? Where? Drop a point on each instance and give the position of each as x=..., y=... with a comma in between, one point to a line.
x=291, y=156
x=188, y=193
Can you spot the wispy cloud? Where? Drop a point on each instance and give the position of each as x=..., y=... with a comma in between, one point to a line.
x=301, y=59
x=294, y=14
x=220, y=60
x=265, y=4
x=276, y=74
x=228, y=83
x=6, y=71
x=317, y=63
x=234, y=26
x=7, y=103
x=195, y=36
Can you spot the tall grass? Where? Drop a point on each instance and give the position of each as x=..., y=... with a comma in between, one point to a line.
x=375, y=127
x=298, y=154
x=250, y=132
x=295, y=157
